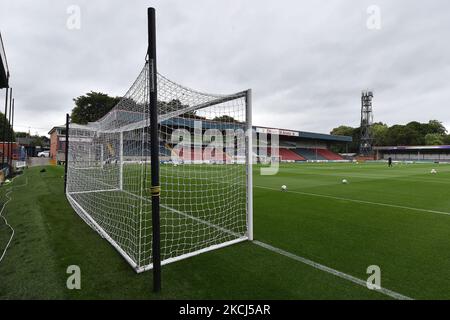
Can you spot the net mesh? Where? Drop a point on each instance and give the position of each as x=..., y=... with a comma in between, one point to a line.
x=203, y=171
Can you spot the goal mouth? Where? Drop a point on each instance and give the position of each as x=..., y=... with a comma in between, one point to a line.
x=204, y=172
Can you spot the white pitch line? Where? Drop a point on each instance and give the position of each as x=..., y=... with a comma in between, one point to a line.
x=360, y=201
x=332, y=271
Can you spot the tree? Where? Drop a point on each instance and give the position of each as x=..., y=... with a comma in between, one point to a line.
x=347, y=131
x=92, y=106
x=446, y=139
x=4, y=125
x=434, y=139
x=413, y=133
x=435, y=126
x=225, y=118
x=403, y=135
x=20, y=134
x=174, y=105
x=380, y=131
x=342, y=131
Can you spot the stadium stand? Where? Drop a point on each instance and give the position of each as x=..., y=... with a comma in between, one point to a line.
x=289, y=155
x=329, y=155
x=205, y=154
x=438, y=153
x=309, y=154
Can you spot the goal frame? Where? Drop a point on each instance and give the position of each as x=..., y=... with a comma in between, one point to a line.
x=152, y=126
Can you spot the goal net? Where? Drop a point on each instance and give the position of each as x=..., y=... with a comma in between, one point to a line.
x=205, y=172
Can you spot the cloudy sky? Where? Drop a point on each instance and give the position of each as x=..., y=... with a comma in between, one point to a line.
x=306, y=61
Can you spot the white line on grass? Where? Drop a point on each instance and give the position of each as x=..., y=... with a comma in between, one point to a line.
x=359, y=201
x=332, y=271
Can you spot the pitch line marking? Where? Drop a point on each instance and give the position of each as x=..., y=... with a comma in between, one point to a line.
x=360, y=201
x=329, y=270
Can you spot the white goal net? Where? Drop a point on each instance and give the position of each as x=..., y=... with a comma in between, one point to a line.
x=205, y=172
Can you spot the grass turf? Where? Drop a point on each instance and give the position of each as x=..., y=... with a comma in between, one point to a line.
x=319, y=218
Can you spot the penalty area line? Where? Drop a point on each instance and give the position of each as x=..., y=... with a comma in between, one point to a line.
x=332, y=271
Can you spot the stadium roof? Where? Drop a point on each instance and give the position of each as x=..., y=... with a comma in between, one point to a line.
x=407, y=148
x=303, y=134
x=4, y=71
x=184, y=122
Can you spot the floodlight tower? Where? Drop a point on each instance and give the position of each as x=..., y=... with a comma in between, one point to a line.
x=365, y=147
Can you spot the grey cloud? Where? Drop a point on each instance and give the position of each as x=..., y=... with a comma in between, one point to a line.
x=307, y=61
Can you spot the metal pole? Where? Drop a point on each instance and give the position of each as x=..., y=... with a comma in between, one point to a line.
x=121, y=161
x=316, y=149
x=154, y=147
x=249, y=156
x=12, y=131
x=66, y=153
x=4, y=127
x=11, y=99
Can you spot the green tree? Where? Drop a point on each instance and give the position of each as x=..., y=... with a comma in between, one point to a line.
x=20, y=134
x=413, y=133
x=435, y=126
x=434, y=139
x=225, y=118
x=4, y=126
x=342, y=131
x=92, y=106
x=399, y=135
x=379, y=131
x=174, y=105
x=446, y=139
x=421, y=128
x=347, y=131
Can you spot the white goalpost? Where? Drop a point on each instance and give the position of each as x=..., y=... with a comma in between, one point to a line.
x=205, y=172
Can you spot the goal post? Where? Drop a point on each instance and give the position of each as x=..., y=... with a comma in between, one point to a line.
x=121, y=161
x=154, y=150
x=249, y=161
x=167, y=173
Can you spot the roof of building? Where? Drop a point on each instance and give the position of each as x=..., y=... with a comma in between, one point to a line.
x=4, y=71
x=303, y=134
x=56, y=127
x=210, y=125
x=406, y=148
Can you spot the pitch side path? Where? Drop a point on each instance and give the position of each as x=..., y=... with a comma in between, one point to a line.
x=315, y=241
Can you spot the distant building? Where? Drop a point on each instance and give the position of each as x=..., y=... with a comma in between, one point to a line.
x=57, y=144
x=414, y=153
x=33, y=145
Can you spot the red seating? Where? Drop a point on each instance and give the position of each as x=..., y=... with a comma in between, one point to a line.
x=188, y=154
x=329, y=155
x=286, y=154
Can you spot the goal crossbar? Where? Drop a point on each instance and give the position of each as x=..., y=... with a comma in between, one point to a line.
x=164, y=117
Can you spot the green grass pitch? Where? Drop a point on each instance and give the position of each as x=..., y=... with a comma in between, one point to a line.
x=397, y=218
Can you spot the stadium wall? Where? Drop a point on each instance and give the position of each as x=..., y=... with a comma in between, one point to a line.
x=414, y=153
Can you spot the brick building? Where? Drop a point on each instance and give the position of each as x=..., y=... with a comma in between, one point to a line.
x=57, y=144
